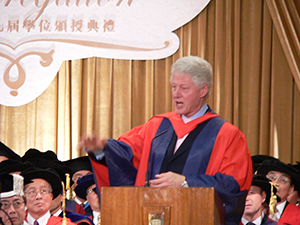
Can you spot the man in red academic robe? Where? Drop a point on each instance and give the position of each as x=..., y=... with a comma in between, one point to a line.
x=191, y=147
x=286, y=179
x=41, y=186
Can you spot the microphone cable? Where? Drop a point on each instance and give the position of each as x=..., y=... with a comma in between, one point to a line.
x=1, y=221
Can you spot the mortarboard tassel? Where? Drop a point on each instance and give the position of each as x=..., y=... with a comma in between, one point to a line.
x=64, y=222
x=273, y=200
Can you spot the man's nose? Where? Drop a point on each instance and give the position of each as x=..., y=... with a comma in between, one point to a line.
x=38, y=195
x=11, y=209
x=247, y=197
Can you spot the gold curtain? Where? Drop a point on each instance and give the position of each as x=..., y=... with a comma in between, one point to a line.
x=256, y=86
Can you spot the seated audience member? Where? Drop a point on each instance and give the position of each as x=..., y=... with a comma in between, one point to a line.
x=12, y=199
x=41, y=186
x=260, y=192
x=80, y=167
x=86, y=189
x=7, y=153
x=57, y=203
x=285, y=178
x=48, y=159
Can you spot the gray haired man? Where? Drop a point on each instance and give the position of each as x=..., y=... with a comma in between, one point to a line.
x=12, y=199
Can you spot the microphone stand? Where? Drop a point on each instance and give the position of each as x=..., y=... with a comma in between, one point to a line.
x=147, y=184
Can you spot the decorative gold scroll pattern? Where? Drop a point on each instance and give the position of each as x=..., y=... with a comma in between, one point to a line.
x=47, y=57
x=15, y=85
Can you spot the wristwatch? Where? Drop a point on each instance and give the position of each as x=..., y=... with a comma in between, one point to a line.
x=185, y=184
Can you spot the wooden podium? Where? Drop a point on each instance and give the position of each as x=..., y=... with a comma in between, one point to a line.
x=160, y=206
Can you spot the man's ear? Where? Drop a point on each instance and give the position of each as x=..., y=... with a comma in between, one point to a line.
x=204, y=90
x=292, y=188
x=263, y=196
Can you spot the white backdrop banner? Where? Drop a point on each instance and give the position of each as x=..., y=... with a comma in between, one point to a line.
x=36, y=36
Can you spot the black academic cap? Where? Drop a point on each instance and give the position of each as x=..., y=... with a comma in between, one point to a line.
x=11, y=185
x=39, y=159
x=7, y=152
x=297, y=166
x=80, y=163
x=276, y=165
x=11, y=166
x=48, y=175
x=83, y=184
x=61, y=169
x=258, y=159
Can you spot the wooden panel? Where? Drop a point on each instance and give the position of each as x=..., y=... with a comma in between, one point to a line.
x=131, y=205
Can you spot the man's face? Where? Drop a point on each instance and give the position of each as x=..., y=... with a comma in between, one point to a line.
x=254, y=201
x=78, y=175
x=92, y=198
x=15, y=207
x=283, y=184
x=39, y=197
x=188, y=98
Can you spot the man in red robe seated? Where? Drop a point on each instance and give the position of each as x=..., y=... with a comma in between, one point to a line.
x=286, y=178
x=41, y=186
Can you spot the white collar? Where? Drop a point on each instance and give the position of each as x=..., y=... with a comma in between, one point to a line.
x=200, y=113
x=280, y=208
x=58, y=212
x=79, y=202
x=257, y=221
x=95, y=217
x=42, y=220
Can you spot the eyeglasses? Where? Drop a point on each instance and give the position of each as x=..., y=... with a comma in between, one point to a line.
x=34, y=193
x=16, y=204
x=280, y=179
x=92, y=190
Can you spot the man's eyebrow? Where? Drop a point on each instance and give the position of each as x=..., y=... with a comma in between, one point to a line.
x=28, y=187
x=34, y=187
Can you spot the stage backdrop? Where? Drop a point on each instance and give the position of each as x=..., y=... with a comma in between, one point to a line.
x=37, y=36
x=253, y=47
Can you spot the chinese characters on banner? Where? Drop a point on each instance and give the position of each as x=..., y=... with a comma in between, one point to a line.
x=36, y=36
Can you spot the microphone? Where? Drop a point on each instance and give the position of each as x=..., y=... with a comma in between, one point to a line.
x=147, y=184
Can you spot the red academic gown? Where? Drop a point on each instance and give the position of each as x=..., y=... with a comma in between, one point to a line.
x=55, y=220
x=290, y=215
x=224, y=163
